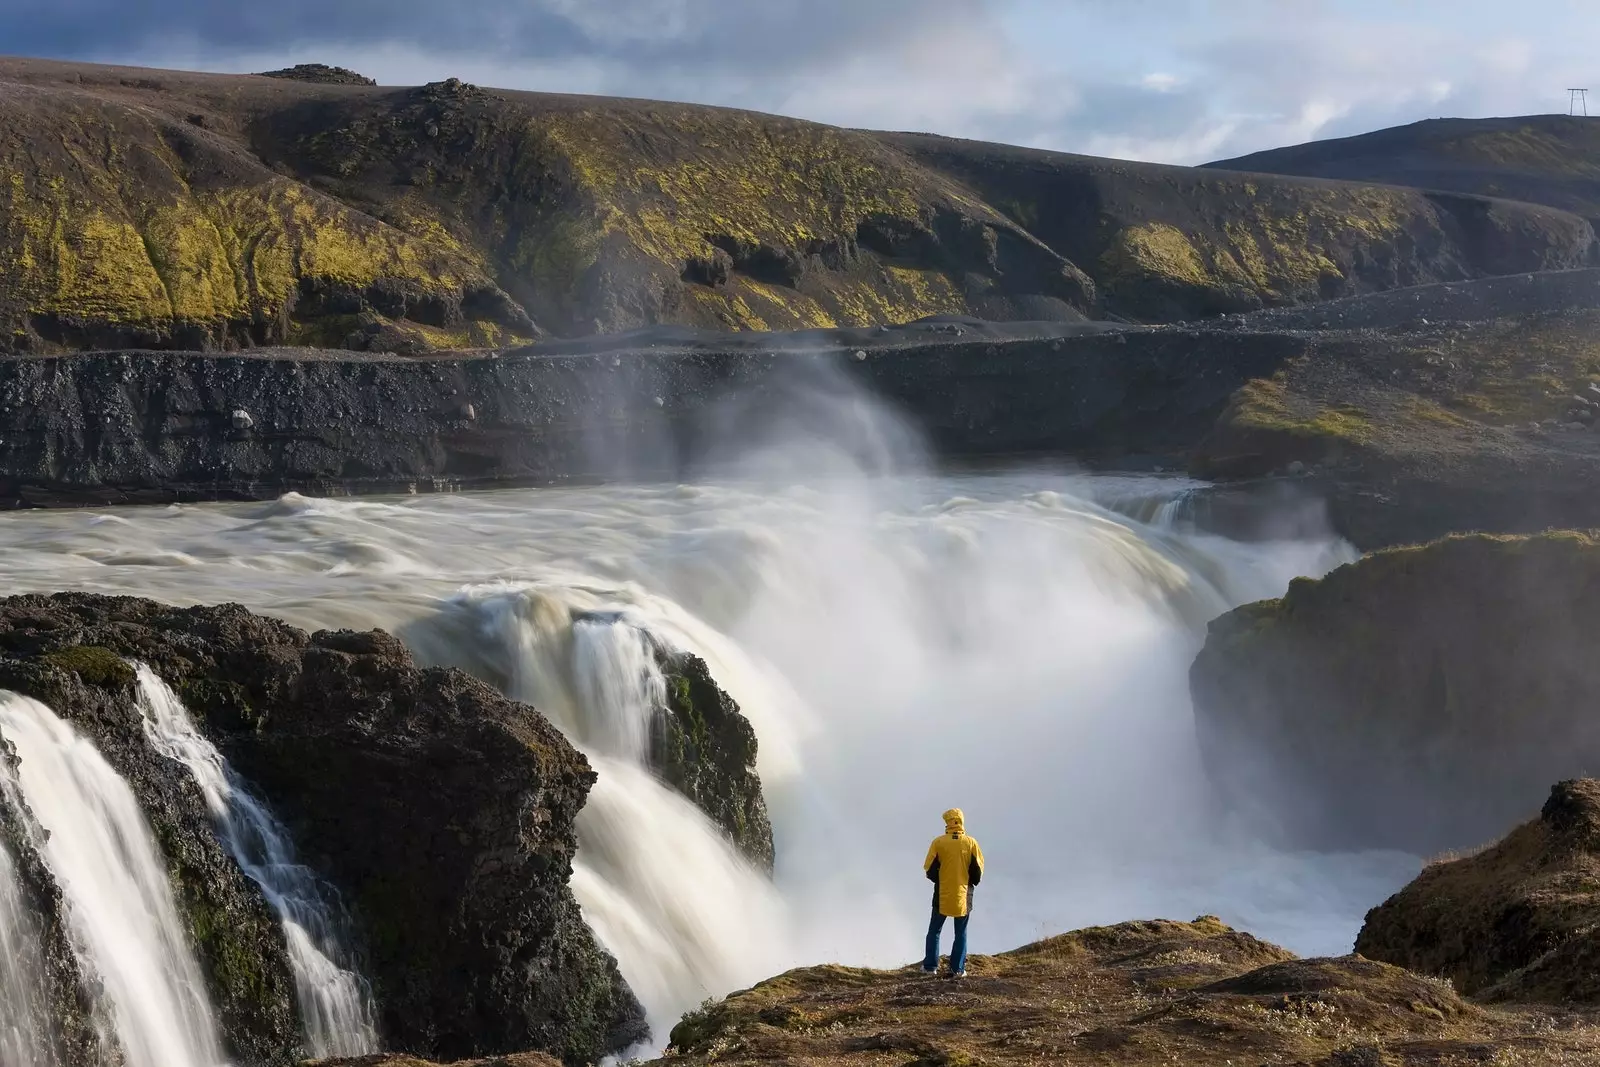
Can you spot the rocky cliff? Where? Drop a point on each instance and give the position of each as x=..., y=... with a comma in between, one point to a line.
x=164, y=209
x=1413, y=700
x=442, y=812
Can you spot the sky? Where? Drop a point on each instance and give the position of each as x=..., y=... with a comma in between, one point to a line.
x=1177, y=81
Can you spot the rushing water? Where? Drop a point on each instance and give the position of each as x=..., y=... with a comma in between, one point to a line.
x=119, y=903
x=903, y=643
x=25, y=1039
x=335, y=1003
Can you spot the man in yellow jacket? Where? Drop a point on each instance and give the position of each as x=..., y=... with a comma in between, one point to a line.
x=954, y=866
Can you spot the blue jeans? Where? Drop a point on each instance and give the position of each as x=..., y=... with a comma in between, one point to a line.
x=958, y=951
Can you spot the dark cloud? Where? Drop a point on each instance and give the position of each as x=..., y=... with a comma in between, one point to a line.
x=730, y=34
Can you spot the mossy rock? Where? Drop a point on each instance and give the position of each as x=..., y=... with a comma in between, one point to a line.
x=95, y=665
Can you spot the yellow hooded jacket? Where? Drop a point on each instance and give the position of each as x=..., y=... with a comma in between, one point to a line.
x=954, y=865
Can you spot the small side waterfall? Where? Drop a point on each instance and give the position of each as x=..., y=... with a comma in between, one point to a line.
x=119, y=903
x=335, y=1002
x=25, y=1040
x=641, y=846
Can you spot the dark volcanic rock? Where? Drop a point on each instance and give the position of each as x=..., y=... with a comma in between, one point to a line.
x=320, y=73
x=441, y=811
x=150, y=426
x=1411, y=700
x=1519, y=921
x=705, y=748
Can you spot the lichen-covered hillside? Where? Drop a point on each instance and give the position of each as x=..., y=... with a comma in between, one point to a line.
x=1541, y=159
x=1179, y=242
x=175, y=210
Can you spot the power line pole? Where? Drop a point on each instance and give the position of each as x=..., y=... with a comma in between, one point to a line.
x=1577, y=98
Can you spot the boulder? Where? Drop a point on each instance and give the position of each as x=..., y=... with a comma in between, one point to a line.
x=1412, y=700
x=1519, y=921
x=705, y=748
x=441, y=811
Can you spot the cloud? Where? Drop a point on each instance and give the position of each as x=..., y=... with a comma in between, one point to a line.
x=1170, y=80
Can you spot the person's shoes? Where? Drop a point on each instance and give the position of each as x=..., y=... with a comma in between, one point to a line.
x=929, y=974
x=956, y=976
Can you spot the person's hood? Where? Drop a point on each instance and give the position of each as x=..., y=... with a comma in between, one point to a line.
x=955, y=822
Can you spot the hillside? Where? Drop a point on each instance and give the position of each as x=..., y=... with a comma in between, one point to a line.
x=1541, y=159
x=171, y=210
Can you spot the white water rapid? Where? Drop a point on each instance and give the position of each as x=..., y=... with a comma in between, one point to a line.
x=902, y=642
x=119, y=903
x=335, y=1002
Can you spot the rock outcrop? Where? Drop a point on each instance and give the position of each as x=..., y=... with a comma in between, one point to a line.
x=1411, y=700
x=1518, y=921
x=705, y=748
x=442, y=812
x=1137, y=994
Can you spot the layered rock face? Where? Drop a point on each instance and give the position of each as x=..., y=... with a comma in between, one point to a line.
x=1519, y=921
x=442, y=812
x=1412, y=700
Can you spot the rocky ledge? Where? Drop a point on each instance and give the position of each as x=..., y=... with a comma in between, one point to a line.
x=1141, y=993
x=441, y=811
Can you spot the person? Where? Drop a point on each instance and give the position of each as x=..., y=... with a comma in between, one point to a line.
x=954, y=866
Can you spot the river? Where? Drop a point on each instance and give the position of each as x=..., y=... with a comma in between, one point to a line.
x=1013, y=643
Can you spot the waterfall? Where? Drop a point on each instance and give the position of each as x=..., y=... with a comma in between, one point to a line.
x=119, y=904
x=641, y=846
x=335, y=1003
x=25, y=1039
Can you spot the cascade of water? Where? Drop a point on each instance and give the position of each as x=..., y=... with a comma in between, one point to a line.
x=335, y=1003
x=119, y=903
x=25, y=1039
x=685, y=915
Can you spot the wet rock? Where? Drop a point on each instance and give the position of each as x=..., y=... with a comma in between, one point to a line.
x=705, y=748
x=242, y=420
